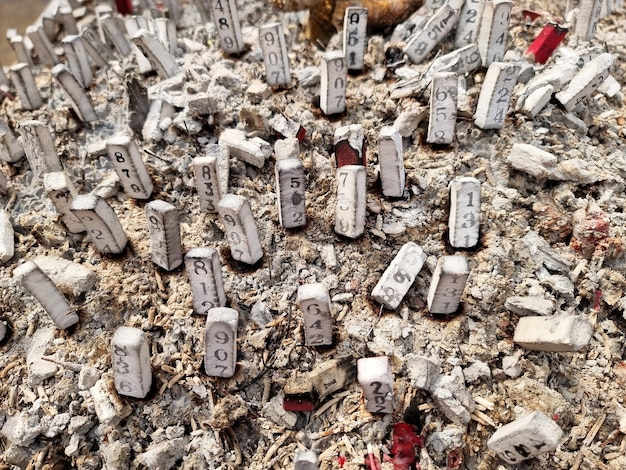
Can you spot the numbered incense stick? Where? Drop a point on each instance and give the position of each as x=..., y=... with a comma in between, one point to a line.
x=96, y=49
x=220, y=353
x=275, y=58
x=114, y=34
x=469, y=22
x=290, y=183
x=318, y=324
x=130, y=356
x=254, y=151
x=351, y=201
x=587, y=20
x=495, y=95
x=241, y=229
x=47, y=294
x=154, y=50
x=42, y=45
x=7, y=237
x=204, y=271
x=460, y=61
x=25, y=86
x=227, y=25
x=133, y=25
x=399, y=276
x=494, y=30
x=165, y=31
x=376, y=380
x=164, y=228
x=355, y=37
x=534, y=434
x=390, y=159
x=585, y=82
x=78, y=59
x=126, y=159
x=333, y=82
x=447, y=285
x=21, y=51
x=61, y=192
x=11, y=150
x=433, y=32
x=39, y=147
x=211, y=173
x=4, y=80
x=75, y=92
x=65, y=17
x=464, y=221
x=101, y=222
x=443, y=102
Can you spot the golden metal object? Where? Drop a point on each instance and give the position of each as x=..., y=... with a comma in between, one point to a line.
x=326, y=16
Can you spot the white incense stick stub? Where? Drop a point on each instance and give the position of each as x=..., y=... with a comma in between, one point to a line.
x=318, y=324
x=204, y=271
x=220, y=349
x=241, y=229
x=131, y=362
x=275, y=58
x=164, y=228
x=376, y=380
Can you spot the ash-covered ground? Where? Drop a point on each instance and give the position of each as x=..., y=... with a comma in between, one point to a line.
x=531, y=245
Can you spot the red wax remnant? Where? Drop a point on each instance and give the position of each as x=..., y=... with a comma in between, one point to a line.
x=124, y=7
x=590, y=229
x=301, y=134
x=531, y=15
x=403, y=443
x=5, y=91
x=347, y=155
x=548, y=40
x=297, y=403
x=455, y=458
x=596, y=302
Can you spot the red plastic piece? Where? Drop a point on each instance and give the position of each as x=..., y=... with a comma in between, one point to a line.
x=124, y=7
x=548, y=40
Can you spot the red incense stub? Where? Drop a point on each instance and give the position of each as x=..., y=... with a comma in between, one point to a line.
x=350, y=146
x=548, y=40
x=298, y=402
x=124, y=7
